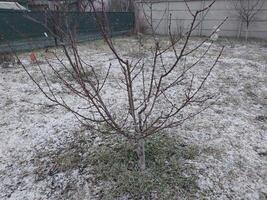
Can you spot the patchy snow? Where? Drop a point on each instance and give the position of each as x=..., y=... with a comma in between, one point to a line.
x=232, y=134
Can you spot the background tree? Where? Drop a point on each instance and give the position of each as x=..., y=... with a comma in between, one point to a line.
x=247, y=11
x=122, y=5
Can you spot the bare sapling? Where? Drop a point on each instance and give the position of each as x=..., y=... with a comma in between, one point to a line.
x=158, y=94
x=247, y=11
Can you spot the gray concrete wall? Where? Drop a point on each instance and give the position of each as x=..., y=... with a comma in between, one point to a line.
x=181, y=18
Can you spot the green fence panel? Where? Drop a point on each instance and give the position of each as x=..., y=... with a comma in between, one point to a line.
x=18, y=25
x=30, y=28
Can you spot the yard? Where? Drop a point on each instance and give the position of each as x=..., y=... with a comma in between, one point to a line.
x=231, y=136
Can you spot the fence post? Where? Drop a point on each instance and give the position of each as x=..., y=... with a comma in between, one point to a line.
x=168, y=17
x=202, y=16
x=136, y=17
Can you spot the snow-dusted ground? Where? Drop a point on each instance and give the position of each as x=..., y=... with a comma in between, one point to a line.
x=232, y=135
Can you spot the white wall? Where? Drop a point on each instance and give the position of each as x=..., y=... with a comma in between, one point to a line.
x=181, y=18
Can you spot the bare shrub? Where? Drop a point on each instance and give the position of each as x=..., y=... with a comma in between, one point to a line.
x=158, y=94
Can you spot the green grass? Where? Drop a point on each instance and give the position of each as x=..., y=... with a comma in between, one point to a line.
x=167, y=175
x=113, y=166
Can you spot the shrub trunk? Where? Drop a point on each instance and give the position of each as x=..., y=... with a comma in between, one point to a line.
x=141, y=154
